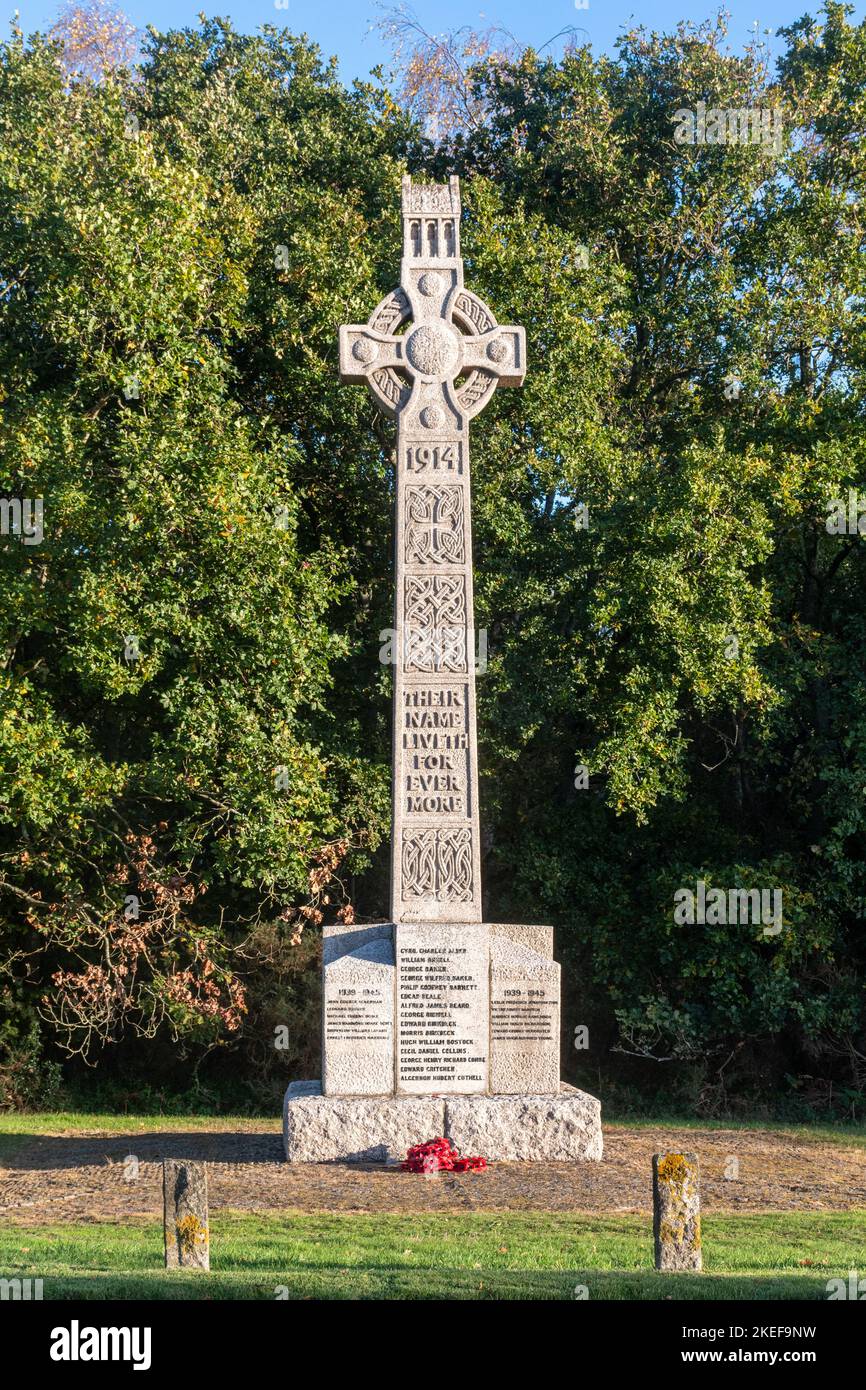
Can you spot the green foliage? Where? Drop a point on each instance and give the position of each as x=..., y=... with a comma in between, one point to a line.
x=177, y=248
x=170, y=726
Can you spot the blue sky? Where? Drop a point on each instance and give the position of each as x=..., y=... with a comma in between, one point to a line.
x=346, y=27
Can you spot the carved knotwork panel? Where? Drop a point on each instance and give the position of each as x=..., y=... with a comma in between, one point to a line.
x=388, y=317
x=472, y=315
x=435, y=623
x=437, y=863
x=393, y=311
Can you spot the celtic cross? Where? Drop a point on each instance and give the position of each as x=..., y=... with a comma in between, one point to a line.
x=432, y=355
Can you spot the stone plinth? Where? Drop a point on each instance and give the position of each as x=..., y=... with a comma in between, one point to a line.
x=440, y=1029
x=561, y=1127
x=539, y=939
x=443, y=986
x=339, y=939
x=358, y=1021
x=524, y=1020
x=319, y=1129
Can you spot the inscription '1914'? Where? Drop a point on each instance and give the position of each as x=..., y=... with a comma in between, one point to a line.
x=434, y=458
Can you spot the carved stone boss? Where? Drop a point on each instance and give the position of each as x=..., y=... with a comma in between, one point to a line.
x=432, y=355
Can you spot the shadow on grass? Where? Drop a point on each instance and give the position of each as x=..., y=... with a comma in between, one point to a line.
x=34, y=1152
x=426, y=1284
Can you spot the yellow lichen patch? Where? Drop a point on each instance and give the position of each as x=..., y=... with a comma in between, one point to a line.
x=191, y=1234
x=672, y=1233
x=674, y=1168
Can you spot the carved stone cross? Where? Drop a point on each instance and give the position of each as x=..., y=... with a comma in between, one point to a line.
x=432, y=355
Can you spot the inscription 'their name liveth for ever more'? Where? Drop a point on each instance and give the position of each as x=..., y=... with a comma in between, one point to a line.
x=435, y=751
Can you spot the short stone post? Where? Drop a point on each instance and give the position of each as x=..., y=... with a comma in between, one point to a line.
x=187, y=1236
x=677, y=1211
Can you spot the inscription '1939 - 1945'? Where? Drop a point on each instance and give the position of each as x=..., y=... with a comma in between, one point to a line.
x=435, y=750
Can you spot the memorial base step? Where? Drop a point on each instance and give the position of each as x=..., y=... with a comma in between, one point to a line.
x=562, y=1127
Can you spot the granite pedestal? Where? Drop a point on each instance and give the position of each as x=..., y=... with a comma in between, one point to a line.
x=447, y=1030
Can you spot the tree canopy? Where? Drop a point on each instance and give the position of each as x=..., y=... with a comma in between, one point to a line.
x=194, y=720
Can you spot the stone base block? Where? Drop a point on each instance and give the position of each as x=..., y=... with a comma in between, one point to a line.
x=322, y=1129
x=559, y=1127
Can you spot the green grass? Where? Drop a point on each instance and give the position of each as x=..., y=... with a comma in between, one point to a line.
x=853, y=1135
x=109, y=1122
x=466, y=1256
x=19, y=1124
x=472, y=1256
x=16, y=1127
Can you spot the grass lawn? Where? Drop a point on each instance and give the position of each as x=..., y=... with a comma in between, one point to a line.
x=16, y=1127
x=464, y=1255
x=853, y=1135
x=472, y=1256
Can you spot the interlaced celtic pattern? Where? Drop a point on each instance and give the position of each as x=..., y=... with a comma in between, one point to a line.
x=438, y=864
x=435, y=623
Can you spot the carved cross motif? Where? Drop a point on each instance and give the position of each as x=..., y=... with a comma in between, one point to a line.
x=434, y=524
x=432, y=354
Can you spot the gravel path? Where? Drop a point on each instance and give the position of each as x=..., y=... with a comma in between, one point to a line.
x=75, y=1177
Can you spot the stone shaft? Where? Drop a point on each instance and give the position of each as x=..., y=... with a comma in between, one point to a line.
x=677, y=1211
x=187, y=1235
x=433, y=378
x=435, y=871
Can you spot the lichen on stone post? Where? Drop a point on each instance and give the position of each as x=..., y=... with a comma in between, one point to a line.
x=187, y=1235
x=677, y=1211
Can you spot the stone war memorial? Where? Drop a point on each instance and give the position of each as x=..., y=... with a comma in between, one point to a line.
x=436, y=1022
